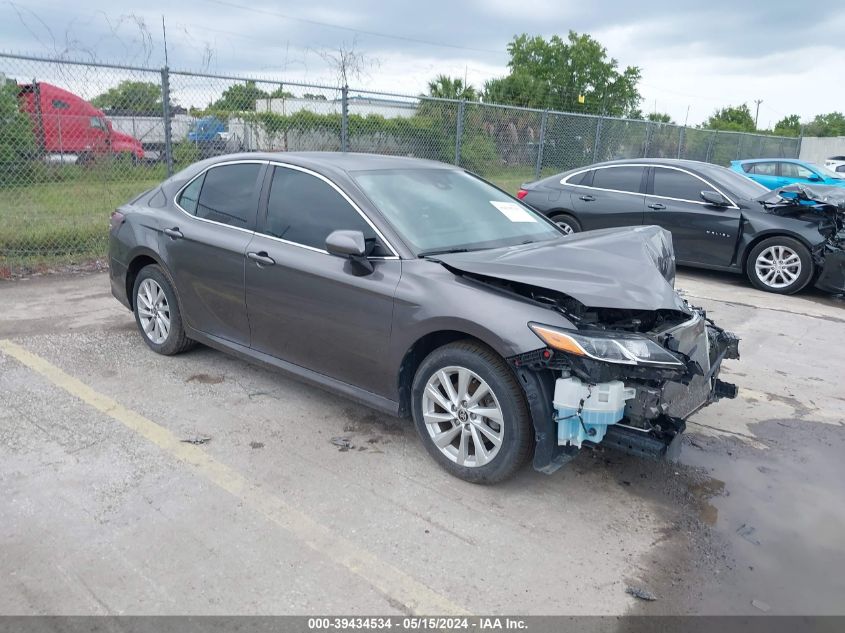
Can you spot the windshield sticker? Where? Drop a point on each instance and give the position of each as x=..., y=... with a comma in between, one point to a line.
x=513, y=211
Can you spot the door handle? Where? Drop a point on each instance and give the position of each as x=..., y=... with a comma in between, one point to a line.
x=657, y=206
x=173, y=233
x=262, y=258
x=587, y=198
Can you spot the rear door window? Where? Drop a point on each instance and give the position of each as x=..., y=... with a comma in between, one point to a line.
x=671, y=183
x=229, y=194
x=763, y=169
x=618, y=178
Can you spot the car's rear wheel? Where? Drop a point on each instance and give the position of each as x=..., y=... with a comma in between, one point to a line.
x=471, y=413
x=566, y=222
x=157, y=312
x=780, y=264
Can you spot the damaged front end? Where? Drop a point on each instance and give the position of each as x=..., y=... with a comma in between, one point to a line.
x=826, y=206
x=635, y=360
x=621, y=389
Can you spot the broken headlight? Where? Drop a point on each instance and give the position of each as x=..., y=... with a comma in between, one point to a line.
x=611, y=347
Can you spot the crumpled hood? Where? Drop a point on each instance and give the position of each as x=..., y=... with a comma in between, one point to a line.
x=608, y=268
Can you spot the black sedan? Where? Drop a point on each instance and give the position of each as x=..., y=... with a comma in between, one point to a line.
x=718, y=219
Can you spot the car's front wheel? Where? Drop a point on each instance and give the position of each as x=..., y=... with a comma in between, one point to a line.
x=780, y=264
x=471, y=413
x=157, y=312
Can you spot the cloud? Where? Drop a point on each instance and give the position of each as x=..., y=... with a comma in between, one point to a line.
x=693, y=55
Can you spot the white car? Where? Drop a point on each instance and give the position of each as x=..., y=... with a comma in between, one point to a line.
x=835, y=163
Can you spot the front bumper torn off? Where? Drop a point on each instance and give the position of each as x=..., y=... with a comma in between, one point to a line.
x=831, y=263
x=655, y=417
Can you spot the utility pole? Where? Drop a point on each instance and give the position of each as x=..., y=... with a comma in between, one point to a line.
x=757, y=112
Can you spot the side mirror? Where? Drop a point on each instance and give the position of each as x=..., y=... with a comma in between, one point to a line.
x=714, y=197
x=352, y=246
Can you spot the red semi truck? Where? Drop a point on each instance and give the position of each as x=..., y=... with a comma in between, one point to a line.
x=69, y=129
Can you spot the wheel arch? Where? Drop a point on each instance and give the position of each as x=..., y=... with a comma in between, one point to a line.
x=141, y=258
x=767, y=235
x=415, y=354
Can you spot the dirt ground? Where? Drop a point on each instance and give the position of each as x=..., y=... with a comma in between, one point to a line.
x=137, y=484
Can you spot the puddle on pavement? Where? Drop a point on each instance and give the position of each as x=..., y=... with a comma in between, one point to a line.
x=780, y=511
x=702, y=492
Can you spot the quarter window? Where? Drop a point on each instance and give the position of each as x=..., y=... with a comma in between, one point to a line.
x=671, y=183
x=229, y=194
x=618, y=178
x=304, y=209
x=190, y=195
x=58, y=104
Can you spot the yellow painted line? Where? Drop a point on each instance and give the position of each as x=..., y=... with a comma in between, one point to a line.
x=384, y=577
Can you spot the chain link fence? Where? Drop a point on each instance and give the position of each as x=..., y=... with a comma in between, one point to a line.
x=79, y=139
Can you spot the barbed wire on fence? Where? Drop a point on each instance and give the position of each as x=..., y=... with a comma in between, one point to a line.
x=78, y=139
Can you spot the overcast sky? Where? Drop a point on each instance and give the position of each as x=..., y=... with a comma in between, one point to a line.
x=692, y=54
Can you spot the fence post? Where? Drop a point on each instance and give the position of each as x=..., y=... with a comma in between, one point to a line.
x=709, y=154
x=648, y=127
x=597, y=140
x=800, y=142
x=739, y=147
x=681, y=135
x=344, y=119
x=541, y=144
x=459, y=132
x=165, y=107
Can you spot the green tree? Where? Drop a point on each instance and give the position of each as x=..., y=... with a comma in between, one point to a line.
x=788, y=126
x=239, y=97
x=831, y=124
x=314, y=97
x=659, y=117
x=17, y=141
x=131, y=96
x=558, y=73
x=446, y=87
x=281, y=93
x=732, y=118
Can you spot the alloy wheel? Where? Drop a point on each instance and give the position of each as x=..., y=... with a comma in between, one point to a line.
x=462, y=416
x=778, y=266
x=565, y=226
x=153, y=311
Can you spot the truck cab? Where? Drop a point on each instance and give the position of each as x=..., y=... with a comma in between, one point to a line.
x=69, y=129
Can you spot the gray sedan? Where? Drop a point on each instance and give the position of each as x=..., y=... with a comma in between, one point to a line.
x=422, y=291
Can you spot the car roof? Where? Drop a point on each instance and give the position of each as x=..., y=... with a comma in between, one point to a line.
x=770, y=160
x=677, y=162
x=338, y=161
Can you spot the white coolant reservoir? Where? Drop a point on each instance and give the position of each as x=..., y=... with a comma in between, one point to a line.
x=585, y=410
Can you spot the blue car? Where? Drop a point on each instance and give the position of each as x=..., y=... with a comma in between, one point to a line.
x=779, y=172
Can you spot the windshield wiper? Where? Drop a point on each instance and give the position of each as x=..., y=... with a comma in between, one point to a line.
x=443, y=252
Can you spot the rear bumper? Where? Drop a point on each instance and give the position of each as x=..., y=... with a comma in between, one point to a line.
x=117, y=280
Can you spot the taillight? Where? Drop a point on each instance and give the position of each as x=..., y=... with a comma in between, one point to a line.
x=521, y=194
x=116, y=220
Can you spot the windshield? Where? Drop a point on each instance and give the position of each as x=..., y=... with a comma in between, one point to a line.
x=737, y=184
x=828, y=173
x=440, y=210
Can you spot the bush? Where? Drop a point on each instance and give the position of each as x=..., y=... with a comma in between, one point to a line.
x=479, y=155
x=185, y=153
x=17, y=141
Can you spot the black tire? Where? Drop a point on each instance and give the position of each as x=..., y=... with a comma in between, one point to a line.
x=176, y=340
x=778, y=284
x=564, y=219
x=517, y=436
